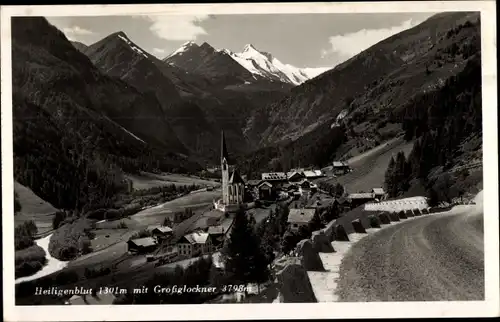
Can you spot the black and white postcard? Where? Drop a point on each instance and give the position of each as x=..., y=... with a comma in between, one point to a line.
x=315, y=160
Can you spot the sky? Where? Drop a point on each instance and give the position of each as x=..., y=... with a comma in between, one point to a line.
x=302, y=40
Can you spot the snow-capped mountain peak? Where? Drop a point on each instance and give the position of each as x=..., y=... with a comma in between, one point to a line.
x=185, y=47
x=261, y=64
x=264, y=64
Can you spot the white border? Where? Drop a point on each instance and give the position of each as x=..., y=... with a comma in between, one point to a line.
x=489, y=307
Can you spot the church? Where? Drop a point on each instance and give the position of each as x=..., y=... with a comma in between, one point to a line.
x=233, y=185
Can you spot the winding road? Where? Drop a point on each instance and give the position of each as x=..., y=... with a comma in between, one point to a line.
x=433, y=258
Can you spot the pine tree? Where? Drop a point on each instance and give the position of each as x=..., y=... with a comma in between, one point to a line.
x=389, y=180
x=243, y=257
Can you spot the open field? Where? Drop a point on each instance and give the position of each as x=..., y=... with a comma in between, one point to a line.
x=110, y=242
x=195, y=200
x=369, y=168
x=34, y=208
x=147, y=180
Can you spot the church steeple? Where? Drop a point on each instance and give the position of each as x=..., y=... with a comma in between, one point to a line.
x=224, y=154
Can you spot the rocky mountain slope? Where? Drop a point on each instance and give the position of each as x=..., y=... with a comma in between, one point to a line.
x=263, y=64
x=80, y=46
x=206, y=60
x=375, y=94
x=201, y=91
x=376, y=82
x=251, y=65
x=76, y=129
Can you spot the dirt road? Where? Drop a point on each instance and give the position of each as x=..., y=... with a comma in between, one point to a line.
x=433, y=258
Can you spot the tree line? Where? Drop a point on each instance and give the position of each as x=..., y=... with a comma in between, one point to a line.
x=439, y=122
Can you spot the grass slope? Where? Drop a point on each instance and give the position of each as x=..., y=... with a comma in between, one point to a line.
x=34, y=208
x=369, y=168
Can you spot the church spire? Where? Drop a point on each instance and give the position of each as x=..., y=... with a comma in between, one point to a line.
x=224, y=153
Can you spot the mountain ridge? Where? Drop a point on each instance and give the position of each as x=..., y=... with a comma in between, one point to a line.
x=259, y=63
x=321, y=99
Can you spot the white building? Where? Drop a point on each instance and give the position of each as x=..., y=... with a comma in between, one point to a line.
x=300, y=217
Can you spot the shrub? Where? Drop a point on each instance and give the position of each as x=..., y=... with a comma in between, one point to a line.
x=374, y=221
x=24, y=235
x=122, y=225
x=142, y=233
x=71, y=240
x=17, y=204
x=29, y=261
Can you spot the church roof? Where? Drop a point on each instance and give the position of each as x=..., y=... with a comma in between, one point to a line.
x=223, y=148
x=236, y=178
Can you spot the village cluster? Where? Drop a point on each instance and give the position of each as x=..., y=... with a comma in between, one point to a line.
x=238, y=193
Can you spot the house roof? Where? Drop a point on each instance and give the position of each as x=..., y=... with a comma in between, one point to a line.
x=265, y=183
x=196, y=238
x=143, y=242
x=295, y=173
x=164, y=229
x=302, y=215
x=340, y=164
x=318, y=172
x=378, y=191
x=274, y=176
x=341, y=200
x=365, y=195
x=236, y=178
x=216, y=230
x=310, y=173
x=253, y=182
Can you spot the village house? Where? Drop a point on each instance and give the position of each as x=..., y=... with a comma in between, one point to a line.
x=296, y=176
x=275, y=178
x=142, y=245
x=195, y=244
x=266, y=191
x=340, y=168
x=358, y=199
x=217, y=235
x=300, y=217
x=162, y=233
x=378, y=193
x=307, y=187
x=313, y=174
x=342, y=203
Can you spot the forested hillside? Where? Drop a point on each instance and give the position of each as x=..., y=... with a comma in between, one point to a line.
x=71, y=143
x=381, y=93
x=447, y=125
